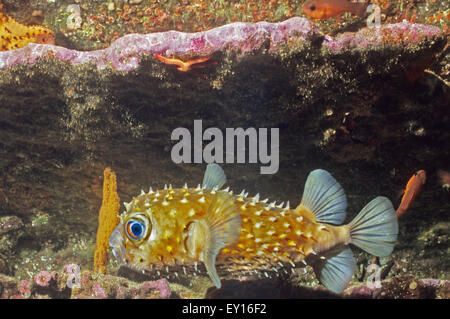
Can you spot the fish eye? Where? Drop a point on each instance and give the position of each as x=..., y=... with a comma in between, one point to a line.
x=312, y=7
x=137, y=228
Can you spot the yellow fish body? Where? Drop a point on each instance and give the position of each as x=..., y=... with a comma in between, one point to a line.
x=185, y=226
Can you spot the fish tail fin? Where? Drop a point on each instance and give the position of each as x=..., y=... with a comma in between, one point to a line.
x=375, y=228
x=360, y=8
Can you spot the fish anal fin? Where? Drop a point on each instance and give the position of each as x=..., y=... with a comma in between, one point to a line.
x=336, y=270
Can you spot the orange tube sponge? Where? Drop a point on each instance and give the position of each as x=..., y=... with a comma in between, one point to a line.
x=107, y=219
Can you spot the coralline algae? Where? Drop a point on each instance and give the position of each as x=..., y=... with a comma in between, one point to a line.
x=403, y=33
x=124, y=54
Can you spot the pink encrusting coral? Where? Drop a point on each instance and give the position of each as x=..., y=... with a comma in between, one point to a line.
x=43, y=278
x=24, y=288
x=160, y=284
x=403, y=33
x=124, y=54
x=98, y=290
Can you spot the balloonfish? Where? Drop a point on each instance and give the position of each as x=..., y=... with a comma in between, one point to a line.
x=181, y=229
x=324, y=9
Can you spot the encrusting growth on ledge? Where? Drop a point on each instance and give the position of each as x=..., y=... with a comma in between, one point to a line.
x=107, y=219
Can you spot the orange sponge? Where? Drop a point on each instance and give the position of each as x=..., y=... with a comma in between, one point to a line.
x=107, y=219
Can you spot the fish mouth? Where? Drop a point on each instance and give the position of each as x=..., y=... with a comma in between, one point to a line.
x=116, y=243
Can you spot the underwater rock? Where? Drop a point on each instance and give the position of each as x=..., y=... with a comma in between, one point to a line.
x=107, y=286
x=90, y=286
x=124, y=54
x=8, y=287
x=94, y=286
x=300, y=286
x=11, y=228
x=403, y=287
x=268, y=288
x=405, y=32
x=10, y=224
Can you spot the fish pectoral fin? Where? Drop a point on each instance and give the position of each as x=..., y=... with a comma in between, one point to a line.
x=224, y=226
x=214, y=177
x=324, y=197
x=336, y=270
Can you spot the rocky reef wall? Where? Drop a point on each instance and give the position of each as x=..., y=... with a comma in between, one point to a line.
x=358, y=104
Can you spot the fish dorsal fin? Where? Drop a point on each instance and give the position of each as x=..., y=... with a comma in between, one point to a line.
x=214, y=177
x=324, y=197
x=336, y=271
x=224, y=226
